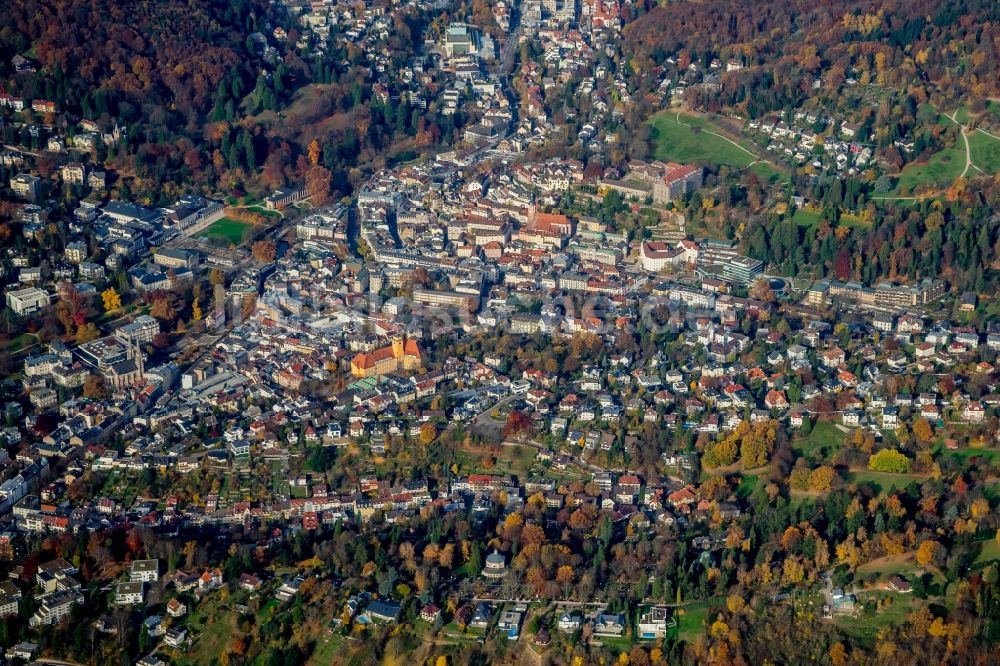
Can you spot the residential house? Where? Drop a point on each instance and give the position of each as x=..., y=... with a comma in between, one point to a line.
x=384, y=611
x=653, y=622
x=610, y=625
x=144, y=571
x=128, y=594
x=569, y=623
x=176, y=608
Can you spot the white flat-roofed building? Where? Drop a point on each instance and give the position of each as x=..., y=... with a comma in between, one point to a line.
x=140, y=331
x=145, y=571
x=28, y=300
x=127, y=594
x=54, y=607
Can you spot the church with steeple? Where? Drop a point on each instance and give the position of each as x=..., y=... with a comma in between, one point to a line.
x=129, y=371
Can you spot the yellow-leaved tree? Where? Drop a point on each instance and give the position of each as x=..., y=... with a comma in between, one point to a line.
x=928, y=553
x=111, y=299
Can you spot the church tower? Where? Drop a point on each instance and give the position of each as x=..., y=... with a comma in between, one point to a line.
x=397, y=347
x=140, y=362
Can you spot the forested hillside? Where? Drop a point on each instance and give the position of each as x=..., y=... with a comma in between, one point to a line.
x=944, y=52
x=155, y=61
x=209, y=98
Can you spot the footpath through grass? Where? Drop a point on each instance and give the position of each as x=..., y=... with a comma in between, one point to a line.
x=678, y=139
x=985, y=151
x=944, y=166
x=940, y=170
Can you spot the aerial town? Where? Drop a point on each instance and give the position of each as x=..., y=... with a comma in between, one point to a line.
x=571, y=344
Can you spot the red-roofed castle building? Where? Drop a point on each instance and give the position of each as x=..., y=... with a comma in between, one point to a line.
x=403, y=354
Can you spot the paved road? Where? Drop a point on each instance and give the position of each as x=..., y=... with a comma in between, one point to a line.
x=23, y=151
x=566, y=604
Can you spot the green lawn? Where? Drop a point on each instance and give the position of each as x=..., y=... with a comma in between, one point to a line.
x=210, y=625
x=884, y=567
x=765, y=171
x=327, y=648
x=616, y=645
x=228, y=229
x=267, y=610
x=515, y=460
x=748, y=484
x=821, y=440
x=810, y=218
x=990, y=455
x=886, y=481
x=927, y=113
x=985, y=151
x=690, y=624
x=940, y=170
x=22, y=341
x=264, y=211
x=990, y=552
x=675, y=141
x=806, y=218
x=867, y=624
x=851, y=220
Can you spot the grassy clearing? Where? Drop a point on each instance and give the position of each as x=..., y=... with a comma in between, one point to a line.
x=927, y=113
x=516, y=460
x=990, y=551
x=228, y=229
x=990, y=455
x=806, y=218
x=985, y=151
x=690, y=623
x=271, y=214
x=851, y=220
x=210, y=625
x=886, y=482
x=810, y=218
x=20, y=342
x=821, y=440
x=328, y=648
x=748, y=484
x=869, y=622
x=766, y=171
x=940, y=170
x=681, y=142
x=890, y=565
